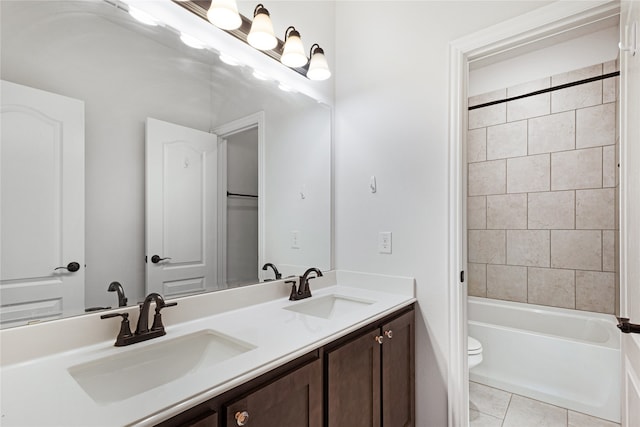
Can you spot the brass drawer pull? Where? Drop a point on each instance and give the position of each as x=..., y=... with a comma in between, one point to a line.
x=379, y=339
x=388, y=334
x=242, y=418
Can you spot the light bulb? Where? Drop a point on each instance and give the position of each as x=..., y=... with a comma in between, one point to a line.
x=318, y=66
x=261, y=35
x=224, y=14
x=293, y=53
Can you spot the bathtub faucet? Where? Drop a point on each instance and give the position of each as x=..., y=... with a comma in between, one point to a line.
x=626, y=327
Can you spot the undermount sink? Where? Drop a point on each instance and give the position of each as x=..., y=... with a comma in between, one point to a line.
x=330, y=306
x=134, y=371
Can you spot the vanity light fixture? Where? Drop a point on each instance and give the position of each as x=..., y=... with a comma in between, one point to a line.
x=293, y=52
x=261, y=35
x=191, y=41
x=318, y=66
x=141, y=16
x=224, y=14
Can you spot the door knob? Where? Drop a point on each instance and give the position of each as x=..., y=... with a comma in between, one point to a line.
x=72, y=267
x=379, y=339
x=156, y=259
x=388, y=334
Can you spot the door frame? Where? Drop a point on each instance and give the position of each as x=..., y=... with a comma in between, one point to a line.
x=256, y=120
x=530, y=27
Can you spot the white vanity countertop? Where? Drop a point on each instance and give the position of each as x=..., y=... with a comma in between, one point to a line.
x=40, y=391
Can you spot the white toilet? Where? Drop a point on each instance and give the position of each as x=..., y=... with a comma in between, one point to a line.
x=474, y=352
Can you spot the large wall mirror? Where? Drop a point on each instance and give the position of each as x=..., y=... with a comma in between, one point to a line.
x=255, y=190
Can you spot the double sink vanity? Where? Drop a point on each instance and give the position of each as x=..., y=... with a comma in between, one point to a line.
x=245, y=356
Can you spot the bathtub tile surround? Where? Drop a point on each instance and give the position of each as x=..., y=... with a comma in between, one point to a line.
x=543, y=188
x=490, y=407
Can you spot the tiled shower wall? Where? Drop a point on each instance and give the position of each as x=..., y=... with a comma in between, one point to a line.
x=543, y=191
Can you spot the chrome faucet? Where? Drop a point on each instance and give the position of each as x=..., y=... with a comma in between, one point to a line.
x=275, y=271
x=117, y=287
x=303, y=290
x=143, y=333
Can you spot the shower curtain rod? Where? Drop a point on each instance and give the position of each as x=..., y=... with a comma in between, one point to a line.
x=229, y=194
x=538, y=92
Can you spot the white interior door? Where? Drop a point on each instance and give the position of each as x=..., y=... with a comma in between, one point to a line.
x=181, y=209
x=42, y=205
x=630, y=210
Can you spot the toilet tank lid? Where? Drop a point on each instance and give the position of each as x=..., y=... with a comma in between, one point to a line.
x=473, y=345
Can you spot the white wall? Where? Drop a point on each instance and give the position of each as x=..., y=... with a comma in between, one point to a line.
x=594, y=48
x=392, y=121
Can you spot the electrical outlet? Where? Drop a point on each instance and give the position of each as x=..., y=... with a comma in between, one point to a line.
x=384, y=242
x=295, y=240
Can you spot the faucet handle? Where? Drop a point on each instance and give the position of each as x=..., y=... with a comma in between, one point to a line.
x=157, y=317
x=125, y=328
x=294, y=291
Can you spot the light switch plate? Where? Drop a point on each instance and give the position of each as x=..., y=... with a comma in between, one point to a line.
x=384, y=242
x=295, y=240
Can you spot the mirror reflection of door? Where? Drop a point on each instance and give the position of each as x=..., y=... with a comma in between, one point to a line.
x=181, y=209
x=241, y=208
x=42, y=205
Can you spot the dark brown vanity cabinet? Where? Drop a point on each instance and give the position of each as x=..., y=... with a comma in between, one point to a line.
x=365, y=379
x=294, y=400
x=370, y=379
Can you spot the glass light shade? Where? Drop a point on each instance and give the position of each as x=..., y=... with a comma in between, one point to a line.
x=224, y=14
x=293, y=53
x=318, y=66
x=261, y=35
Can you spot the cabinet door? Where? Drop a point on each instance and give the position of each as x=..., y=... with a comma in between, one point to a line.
x=398, y=407
x=294, y=400
x=353, y=380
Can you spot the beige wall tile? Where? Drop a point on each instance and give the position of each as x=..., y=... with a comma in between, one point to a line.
x=528, y=247
x=507, y=282
x=507, y=211
x=610, y=85
x=609, y=90
x=576, y=249
x=477, y=145
x=531, y=106
x=551, y=210
x=608, y=250
x=556, y=132
x=584, y=95
x=528, y=174
x=571, y=98
x=609, y=166
x=477, y=213
x=532, y=86
x=595, y=291
x=576, y=169
x=610, y=66
x=483, y=98
x=487, y=178
x=595, y=209
x=575, y=75
x=549, y=286
x=488, y=116
x=487, y=246
x=596, y=126
x=507, y=140
x=477, y=279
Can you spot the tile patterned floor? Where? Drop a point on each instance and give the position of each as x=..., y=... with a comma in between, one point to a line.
x=490, y=407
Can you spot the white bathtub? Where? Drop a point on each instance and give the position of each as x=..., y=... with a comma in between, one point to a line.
x=564, y=357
